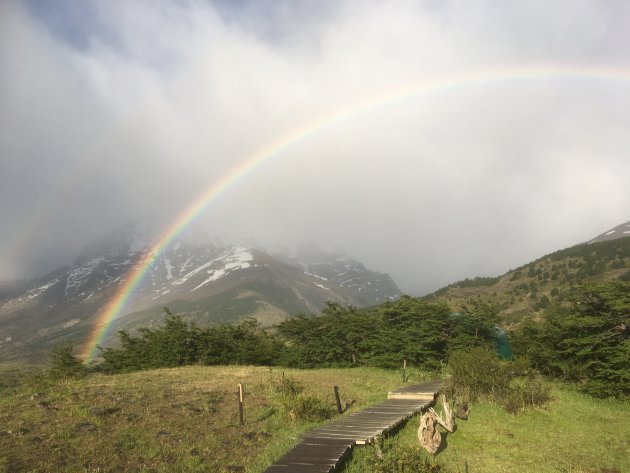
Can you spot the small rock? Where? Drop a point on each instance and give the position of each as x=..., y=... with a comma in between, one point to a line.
x=36, y=395
x=87, y=427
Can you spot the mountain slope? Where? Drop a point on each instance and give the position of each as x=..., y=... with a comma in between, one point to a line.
x=620, y=231
x=210, y=281
x=551, y=279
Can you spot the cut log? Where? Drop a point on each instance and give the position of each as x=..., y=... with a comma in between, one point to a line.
x=428, y=432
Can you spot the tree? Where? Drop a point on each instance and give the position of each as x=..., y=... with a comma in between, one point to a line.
x=64, y=364
x=587, y=342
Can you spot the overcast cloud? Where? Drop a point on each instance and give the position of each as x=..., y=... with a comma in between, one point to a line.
x=117, y=110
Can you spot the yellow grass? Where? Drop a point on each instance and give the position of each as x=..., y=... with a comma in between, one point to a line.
x=175, y=420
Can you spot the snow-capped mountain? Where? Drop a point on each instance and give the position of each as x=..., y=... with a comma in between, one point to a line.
x=620, y=231
x=206, y=280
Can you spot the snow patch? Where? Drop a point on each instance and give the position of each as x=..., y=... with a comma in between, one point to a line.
x=80, y=274
x=610, y=232
x=169, y=268
x=70, y=323
x=233, y=260
x=33, y=293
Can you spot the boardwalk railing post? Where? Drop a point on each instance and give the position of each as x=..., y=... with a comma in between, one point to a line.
x=339, y=409
x=404, y=374
x=241, y=418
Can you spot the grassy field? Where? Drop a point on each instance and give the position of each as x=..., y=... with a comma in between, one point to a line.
x=170, y=420
x=186, y=420
x=575, y=434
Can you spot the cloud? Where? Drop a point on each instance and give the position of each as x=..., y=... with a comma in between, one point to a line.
x=123, y=110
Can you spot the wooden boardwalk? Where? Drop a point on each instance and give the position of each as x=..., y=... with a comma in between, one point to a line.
x=324, y=449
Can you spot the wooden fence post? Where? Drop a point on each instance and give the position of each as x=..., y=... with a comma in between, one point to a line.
x=339, y=409
x=404, y=376
x=240, y=404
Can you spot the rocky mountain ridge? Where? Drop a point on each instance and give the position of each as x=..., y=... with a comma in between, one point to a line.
x=208, y=280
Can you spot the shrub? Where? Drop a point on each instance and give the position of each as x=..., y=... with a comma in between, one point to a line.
x=305, y=408
x=64, y=364
x=526, y=392
x=288, y=386
x=478, y=375
x=404, y=460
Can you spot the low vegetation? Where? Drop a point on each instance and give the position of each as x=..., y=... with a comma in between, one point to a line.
x=573, y=433
x=173, y=420
x=480, y=376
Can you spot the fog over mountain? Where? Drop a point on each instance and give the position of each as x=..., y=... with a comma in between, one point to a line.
x=512, y=142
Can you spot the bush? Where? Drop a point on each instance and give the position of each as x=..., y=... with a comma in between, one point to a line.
x=288, y=386
x=478, y=375
x=64, y=364
x=404, y=460
x=305, y=408
x=526, y=392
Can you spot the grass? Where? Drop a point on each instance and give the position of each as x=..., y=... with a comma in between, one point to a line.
x=175, y=420
x=186, y=420
x=574, y=434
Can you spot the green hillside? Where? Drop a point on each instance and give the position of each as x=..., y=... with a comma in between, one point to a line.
x=552, y=279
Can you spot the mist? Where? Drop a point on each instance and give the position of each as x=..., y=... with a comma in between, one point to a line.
x=112, y=111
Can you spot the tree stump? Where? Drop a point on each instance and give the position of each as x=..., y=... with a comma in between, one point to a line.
x=428, y=432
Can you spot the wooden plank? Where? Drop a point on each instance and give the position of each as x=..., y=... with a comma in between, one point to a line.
x=322, y=450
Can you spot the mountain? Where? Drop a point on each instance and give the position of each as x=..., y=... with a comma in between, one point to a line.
x=620, y=231
x=207, y=280
x=526, y=290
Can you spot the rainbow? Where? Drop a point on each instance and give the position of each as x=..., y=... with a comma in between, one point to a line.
x=133, y=279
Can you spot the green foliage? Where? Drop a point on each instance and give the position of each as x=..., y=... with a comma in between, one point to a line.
x=587, y=343
x=305, y=408
x=478, y=281
x=422, y=332
x=478, y=375
x=404, y=459
x=64, y=364
x=526, y=391
x=476, y=326
x=178, y=343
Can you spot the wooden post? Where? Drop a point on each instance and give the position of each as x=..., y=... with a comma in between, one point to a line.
x=404, y=370
x=339, y=409
x=240, y=404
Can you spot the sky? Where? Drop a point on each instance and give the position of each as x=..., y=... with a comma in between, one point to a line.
x=433, y=140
